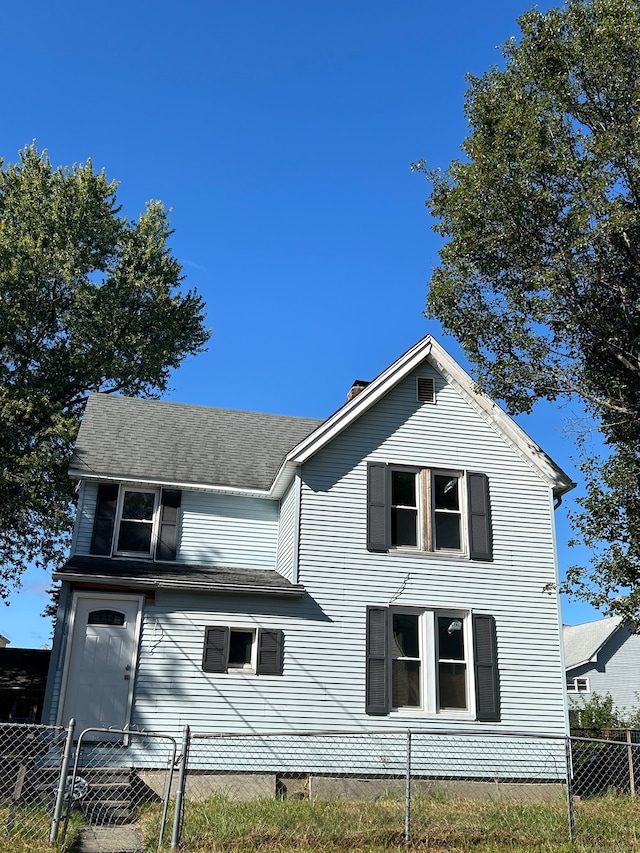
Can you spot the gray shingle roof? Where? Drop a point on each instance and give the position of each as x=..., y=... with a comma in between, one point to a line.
x=583, y=642
x=151, y=575
x=155, y=440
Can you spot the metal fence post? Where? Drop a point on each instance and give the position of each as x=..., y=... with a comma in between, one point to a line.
x=407, y=803
x=182, y=781
x=64, y=771
x=570, y=814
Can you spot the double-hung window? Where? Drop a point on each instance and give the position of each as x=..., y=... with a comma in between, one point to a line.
x=428, y=509
x=434, y=661
x=133, y=521
x=429, y=666
x=137, y=517
x=578, y=685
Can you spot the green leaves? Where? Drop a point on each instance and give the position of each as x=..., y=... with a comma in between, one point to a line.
x=88, y=302
x=539, y=277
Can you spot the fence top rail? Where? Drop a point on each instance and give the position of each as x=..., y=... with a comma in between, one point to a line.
x=34, y=727
x=604, y=741
x=127, y=732
x=309, y=733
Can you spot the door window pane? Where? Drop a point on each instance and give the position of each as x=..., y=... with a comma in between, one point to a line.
x=105, y=617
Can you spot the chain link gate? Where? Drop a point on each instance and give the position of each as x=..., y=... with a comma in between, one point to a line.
x=113, y=775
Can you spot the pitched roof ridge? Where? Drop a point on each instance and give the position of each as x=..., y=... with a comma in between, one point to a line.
x=103, y=395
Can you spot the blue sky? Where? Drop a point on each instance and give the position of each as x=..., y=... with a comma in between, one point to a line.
x=280, y=134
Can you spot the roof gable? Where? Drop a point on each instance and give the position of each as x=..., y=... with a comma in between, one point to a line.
x=582, y=643
x=428, y=349
x=154, y=441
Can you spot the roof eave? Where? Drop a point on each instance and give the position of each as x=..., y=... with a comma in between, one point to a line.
x=294, y=591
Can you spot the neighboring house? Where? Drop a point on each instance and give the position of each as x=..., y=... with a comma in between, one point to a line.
x=23, y=677
x=243, y=572
x=4, y=642
x=603, y=657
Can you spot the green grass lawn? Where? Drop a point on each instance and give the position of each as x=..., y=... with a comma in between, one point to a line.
x=607, y=824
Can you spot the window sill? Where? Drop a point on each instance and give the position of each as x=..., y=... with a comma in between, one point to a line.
x=418, y=552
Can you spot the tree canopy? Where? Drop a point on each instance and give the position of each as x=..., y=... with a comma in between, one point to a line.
x=89, y=301
x=539, y=277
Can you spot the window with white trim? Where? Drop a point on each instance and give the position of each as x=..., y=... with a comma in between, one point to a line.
x=136, y=521
x=426, y=509
x=233, y=649
x=578, y=685
x=429, y=660
x=432, y=661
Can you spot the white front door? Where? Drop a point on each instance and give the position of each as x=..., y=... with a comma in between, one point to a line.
x=101, y=661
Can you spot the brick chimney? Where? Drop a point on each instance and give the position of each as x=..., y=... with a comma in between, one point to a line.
x=358, y=386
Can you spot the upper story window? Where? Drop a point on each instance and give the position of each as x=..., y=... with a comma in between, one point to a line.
x=578, y=685
x=137, y=518
x=136, y=522
x=425, y=510
x=429, y=510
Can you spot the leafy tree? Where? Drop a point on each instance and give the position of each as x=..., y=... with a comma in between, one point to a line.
x=539, y=277
x=88, y=302
x=597, y=713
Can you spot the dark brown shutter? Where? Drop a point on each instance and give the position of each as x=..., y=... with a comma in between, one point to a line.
x=377, y=510
x=104, y=520
x=480, y=538
x=216, y=649
x=485, y=652
x=167, y=546
x=270, y=649
x=377, y=662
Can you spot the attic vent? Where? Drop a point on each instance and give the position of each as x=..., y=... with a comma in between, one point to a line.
x=426, y=391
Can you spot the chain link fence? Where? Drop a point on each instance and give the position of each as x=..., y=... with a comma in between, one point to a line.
x=449, y=789
x=30, y=762
x=403, y=773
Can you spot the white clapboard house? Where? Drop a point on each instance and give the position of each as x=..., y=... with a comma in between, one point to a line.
x=245, y=572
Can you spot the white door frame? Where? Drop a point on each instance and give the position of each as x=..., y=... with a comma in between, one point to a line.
x=99, y=596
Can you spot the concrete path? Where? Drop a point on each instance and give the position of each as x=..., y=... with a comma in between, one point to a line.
x=109, y=839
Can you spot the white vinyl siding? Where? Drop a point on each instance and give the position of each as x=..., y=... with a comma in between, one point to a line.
x=217, y=530
x=225, y=530
x=287, y=532
x=84, y=519
x=324, y=632
x=343, y=577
